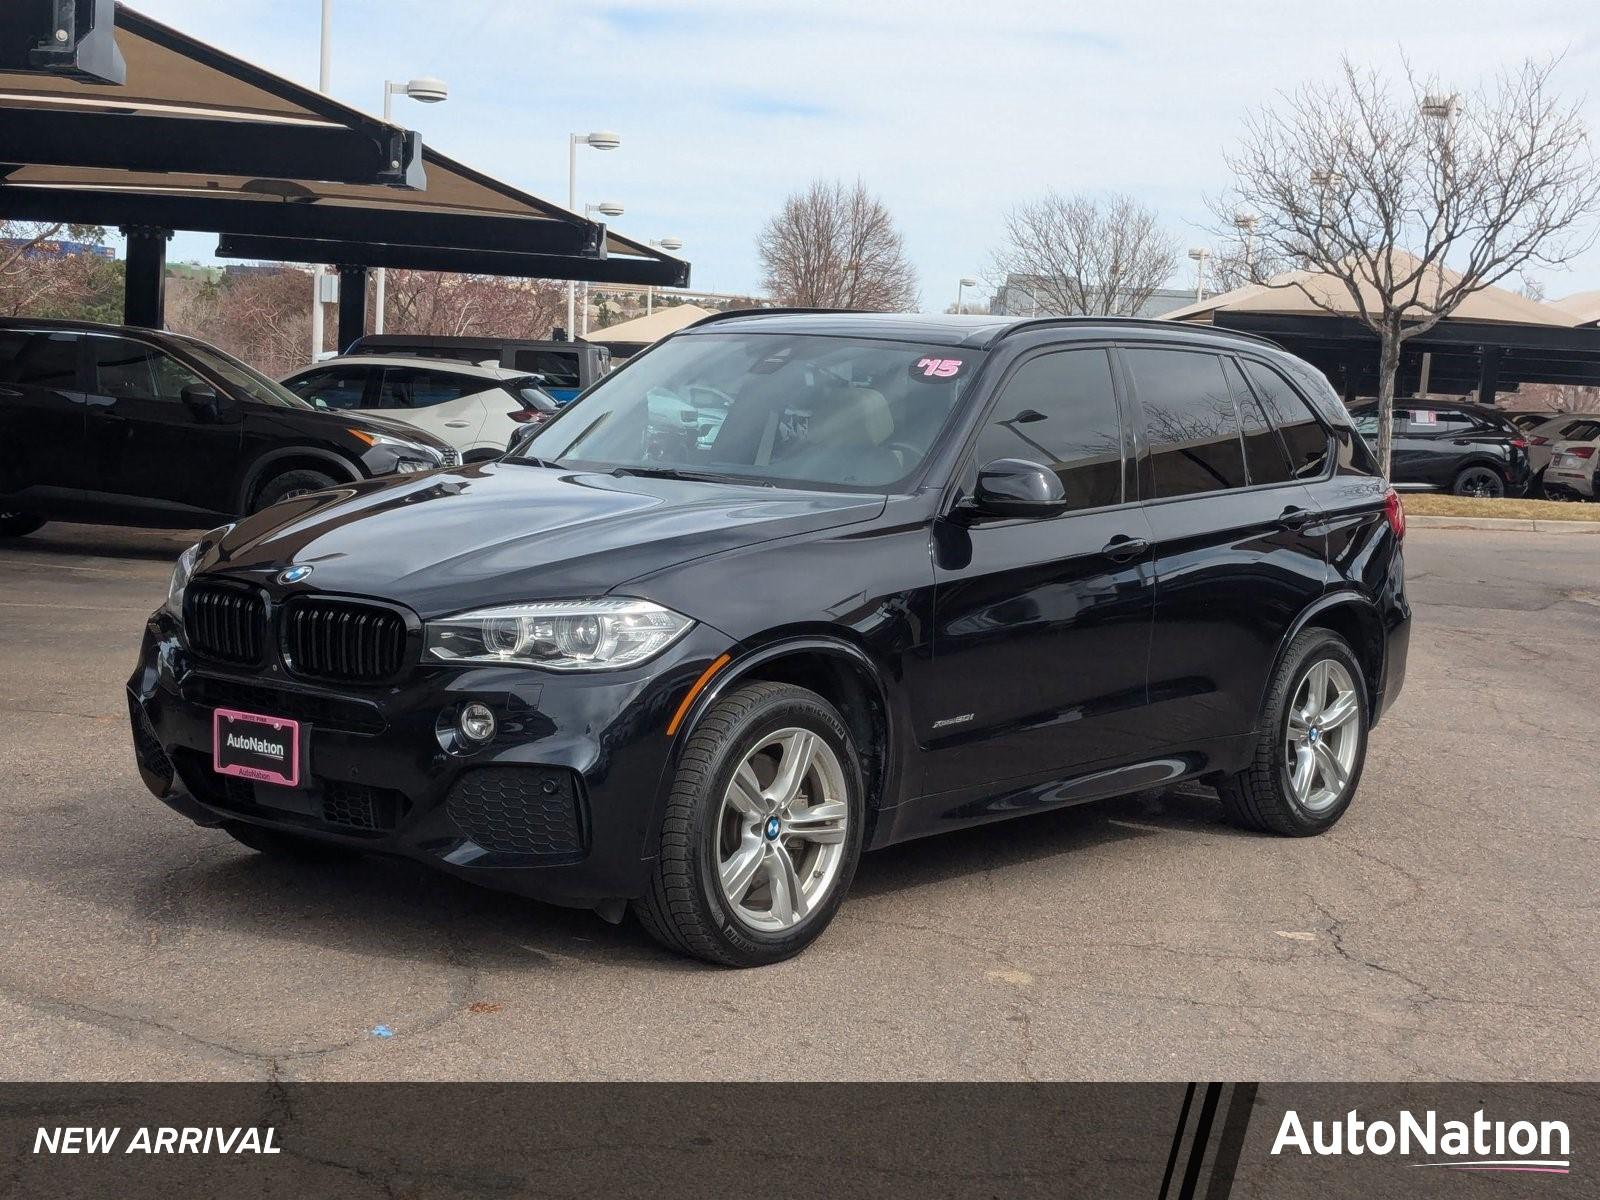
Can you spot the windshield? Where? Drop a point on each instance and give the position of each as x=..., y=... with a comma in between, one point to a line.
x=246, y=378
x=808, y=411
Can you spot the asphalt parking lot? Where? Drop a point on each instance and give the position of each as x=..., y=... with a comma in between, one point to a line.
x=1446, y=929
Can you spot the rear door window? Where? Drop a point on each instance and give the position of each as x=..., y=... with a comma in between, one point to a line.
x=1304, y=437
x=414, y=387
x=1264, y=455
x=1191, y=423
x=45, y=360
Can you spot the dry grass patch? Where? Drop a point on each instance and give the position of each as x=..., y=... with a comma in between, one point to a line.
x=1435, y=504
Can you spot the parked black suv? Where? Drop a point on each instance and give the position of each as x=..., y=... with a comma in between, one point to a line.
x=926, y=573
x=1467, y=449
x=128, y=426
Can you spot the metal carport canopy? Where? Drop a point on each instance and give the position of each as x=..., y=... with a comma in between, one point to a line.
x=197, y=139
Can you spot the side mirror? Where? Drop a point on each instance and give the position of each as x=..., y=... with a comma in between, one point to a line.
x=520, y=437
x=202, y=400
x=1015, y=487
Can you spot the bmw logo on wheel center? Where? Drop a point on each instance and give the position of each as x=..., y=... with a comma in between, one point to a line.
x=296, y=574
x=773, y=826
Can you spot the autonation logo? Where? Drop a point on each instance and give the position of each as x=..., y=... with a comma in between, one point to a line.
x=1480, y=1144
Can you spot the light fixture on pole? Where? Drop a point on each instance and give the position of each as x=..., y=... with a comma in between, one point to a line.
x=671, y=245
x=962, y=284
x=606, y=208
x=424, y=89
x=601, y=140
x=1246, y=223
x=1199, y=254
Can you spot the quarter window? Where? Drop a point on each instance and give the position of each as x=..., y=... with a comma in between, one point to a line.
x=1303, y=435
x=1191, y=424
x=1061, y=410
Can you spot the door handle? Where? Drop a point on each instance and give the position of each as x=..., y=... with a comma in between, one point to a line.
x=1122, y=548
x=1294, y=517
x=456, y=424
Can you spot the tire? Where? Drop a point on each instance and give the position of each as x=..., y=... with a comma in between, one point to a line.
x=687, y=907
x=19, y=524
x=1483, y=482
x=1263, y=795
x=274, y=843
x=289, y=484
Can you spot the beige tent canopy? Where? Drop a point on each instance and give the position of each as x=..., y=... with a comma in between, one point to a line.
x=1287, y=294
x=644, y=330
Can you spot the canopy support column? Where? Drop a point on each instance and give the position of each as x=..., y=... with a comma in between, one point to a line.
x=352, y=305
x=145, y=281
x=1488, y=374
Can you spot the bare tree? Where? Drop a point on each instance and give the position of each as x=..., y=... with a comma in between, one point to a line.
x=262, y=317
x=836, y=246
x=37, y=280
x=1081, y=255
x=1412, y=201
x=462, y=305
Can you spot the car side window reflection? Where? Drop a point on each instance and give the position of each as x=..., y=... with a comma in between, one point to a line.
x=131, y=370
x=1060, y=410
x=1191, y=422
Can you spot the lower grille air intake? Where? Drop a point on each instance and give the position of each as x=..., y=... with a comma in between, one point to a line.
x=519, y=810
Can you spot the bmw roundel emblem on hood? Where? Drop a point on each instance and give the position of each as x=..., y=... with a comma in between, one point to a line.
x=295, y=574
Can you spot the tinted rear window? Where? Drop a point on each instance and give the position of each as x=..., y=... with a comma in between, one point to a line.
x=48, y=360
x=1191, y=425
x=1303, y=435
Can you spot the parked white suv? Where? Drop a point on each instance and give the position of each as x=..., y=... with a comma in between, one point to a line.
x=473, y=408
x=1573, y=460
x=1543, y=436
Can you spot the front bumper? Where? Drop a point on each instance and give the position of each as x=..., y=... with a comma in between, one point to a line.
x=562, y=804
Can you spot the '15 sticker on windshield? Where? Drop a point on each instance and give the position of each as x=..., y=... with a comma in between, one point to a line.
x=936, y=368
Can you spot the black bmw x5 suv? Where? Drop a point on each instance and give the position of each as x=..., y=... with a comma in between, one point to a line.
x=912, y=574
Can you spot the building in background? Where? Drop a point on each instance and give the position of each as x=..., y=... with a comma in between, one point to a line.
x=1020, y=296
x=57, y=248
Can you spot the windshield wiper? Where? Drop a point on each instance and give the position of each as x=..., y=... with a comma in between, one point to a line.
x=686, y=476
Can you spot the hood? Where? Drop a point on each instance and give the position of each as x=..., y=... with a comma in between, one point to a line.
x=501, y=532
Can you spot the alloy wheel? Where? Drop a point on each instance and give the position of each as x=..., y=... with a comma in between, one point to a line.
x=781, y=830
x=1322, y=735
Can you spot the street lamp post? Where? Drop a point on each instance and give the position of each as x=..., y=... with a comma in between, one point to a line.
x=324, y=72
x=606, y=208
x=670, y=245
x=962, y=284
x=425, y=90
x=1199, y=254
x=602, y=140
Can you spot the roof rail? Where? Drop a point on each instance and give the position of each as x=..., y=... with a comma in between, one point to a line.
x=1151, y=322
x=711, y=318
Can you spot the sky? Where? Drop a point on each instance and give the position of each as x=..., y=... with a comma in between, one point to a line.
x=951, y=111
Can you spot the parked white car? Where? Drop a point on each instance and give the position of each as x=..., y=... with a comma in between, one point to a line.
x=473, y=408
x=1572, y=464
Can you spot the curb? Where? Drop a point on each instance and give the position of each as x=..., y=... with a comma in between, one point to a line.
x=1504, y=524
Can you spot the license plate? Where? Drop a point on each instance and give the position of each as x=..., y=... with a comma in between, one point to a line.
x=1564, y=460
x=251, y=746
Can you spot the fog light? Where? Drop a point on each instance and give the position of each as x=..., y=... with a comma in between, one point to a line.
x=476, y=723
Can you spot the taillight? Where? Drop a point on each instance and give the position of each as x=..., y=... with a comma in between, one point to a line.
x=1541, y=441
x=528, y=416
x=1520, y=443
x=1395, y=513
x=1581, y=451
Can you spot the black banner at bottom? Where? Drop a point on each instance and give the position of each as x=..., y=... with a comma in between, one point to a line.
x=1162, y=1141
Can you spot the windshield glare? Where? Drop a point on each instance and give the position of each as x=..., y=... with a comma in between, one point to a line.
x=829, y=412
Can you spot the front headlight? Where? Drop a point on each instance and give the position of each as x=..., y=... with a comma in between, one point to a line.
x=559, y=635
x=410, y=456
x=182, y=572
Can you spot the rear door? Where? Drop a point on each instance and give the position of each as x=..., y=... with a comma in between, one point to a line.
x=1237, y=558
x=41, y=411
x=145, y=445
